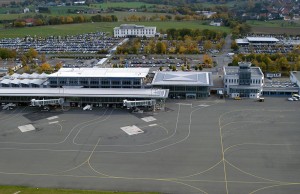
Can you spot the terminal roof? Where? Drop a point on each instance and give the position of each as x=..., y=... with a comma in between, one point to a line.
x=183, y=78
x=234, y=70
x=102, y=72
x=262, y=39
x=86, y=92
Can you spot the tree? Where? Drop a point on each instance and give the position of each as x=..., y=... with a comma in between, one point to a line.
x=182, y=50
x=32, y=53
x=160, y=68
x=219, y=46
x=45, y=67
x=234, y=46
x=69, y=20
x=207, y=60
x=43, y=58
x=200, y=68
x=10, y=71
x=207, y=45
x=161, y=48
x=182, y=68
x=58, y=66
x=26, y=69
x=162, y=18
x=24, y=60
x=174, y=68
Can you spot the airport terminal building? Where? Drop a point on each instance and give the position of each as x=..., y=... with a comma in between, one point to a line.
x=243, y=81
x=184, y=85
x=99, y=77
x=80, y=86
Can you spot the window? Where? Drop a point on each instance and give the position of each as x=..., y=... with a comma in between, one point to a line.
x=105, y=82
x=62, y=81
x=94, y=81
x=126, y=82
x=136, y=82
x=115, y=82
x=73, y=81
x=83, y=81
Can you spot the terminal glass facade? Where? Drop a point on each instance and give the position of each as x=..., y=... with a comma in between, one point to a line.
x=187, y=91
x=92, y=82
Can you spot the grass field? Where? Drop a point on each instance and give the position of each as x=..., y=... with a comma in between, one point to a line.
x=228, y=4
x=275, y=23
x=275, y=30
x=275, y=27
x=73, y=29
x=28, y=190
x=63, y=10
x=122, y=14
x=132, y=5
x=59, y=12
x=8, y=1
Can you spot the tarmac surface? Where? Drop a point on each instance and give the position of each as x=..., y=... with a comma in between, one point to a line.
x=206, y=146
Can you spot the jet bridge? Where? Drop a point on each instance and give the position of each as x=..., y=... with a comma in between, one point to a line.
x=144, y=103
x=45, y=102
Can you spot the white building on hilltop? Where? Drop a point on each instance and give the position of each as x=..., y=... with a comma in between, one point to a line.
x=132, y=30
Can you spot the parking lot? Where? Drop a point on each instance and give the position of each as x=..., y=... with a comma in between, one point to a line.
x=284, y=45
x=83, y=43
x=205, y=146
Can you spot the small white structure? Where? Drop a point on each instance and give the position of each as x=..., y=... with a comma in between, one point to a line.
x=26, y=128
x=26, y=10
x=132, y=30
x=216, y=23
x=252, y=40
x=132, y=130
x=207, y=14
x=79, y=2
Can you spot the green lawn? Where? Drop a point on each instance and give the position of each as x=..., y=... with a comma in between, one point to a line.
x=228, y=4
x=63, y=10
x=60, y=12
x=274, y=23
x=122, y=14
x=133, y=5
x=73, y=29
x=28, y=190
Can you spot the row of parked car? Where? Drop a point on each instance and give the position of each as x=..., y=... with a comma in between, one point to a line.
x=84, y=43
x=295, y=97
